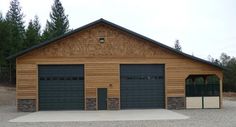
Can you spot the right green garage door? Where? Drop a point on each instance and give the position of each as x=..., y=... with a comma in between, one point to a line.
x=142, y=86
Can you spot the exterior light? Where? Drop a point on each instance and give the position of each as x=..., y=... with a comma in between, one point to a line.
x=101, y=40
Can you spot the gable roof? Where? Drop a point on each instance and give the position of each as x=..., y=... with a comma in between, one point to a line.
x=117, y=27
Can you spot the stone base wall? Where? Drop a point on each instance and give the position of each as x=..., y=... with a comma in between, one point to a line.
x=26, y=105
x=113, y=104
x=91, y=104
x=176, y=103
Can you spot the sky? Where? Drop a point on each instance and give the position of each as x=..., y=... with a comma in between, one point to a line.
x=203, y=27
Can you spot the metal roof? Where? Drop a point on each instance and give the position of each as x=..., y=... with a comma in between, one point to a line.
x=117, y=27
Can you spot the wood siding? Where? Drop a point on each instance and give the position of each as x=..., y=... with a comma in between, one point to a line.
x=102, y=62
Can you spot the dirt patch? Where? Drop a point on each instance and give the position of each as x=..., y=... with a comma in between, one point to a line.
x=230, y=96
x=7, y=95
x=7, y=85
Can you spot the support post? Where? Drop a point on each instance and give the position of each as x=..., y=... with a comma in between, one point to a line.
x=221, y=91
x=204, y=90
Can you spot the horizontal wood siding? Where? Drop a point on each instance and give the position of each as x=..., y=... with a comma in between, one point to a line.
x=102, y=61
x=26, y=81
x=101, y=76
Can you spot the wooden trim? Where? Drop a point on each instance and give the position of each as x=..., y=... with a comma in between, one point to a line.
x=37, y=88
x=85, y=95
x=107, y=98
x=165, y=84
x=119, y=86
x=17, y=84
x=96, y=98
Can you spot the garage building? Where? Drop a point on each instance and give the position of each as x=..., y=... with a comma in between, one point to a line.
x=103, y=66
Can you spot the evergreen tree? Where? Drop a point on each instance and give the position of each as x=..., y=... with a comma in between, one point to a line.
x=4, y=39
x=1, y=32
x=178, y=46
x=45, y=34
x=33, y=33
x=14, y=19
x=59, y=23
x=1, y=18
x=224, y=59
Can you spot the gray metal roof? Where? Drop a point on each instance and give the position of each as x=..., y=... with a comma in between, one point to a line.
x=117, y=27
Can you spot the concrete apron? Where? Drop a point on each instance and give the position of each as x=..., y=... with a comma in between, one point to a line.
x=105, y=115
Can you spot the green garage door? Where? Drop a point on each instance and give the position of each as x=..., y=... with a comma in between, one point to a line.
x=142, y=86
x=61, y=87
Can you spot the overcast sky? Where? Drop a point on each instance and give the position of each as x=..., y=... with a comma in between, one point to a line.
x=204, y=27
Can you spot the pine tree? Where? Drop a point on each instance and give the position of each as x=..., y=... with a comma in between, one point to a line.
x=45, y=34
x=59, y=23
x=1, y=32
x=14, y=19
x=2, y=38
x=178, y=46
x=1, y=18
x=33, y=33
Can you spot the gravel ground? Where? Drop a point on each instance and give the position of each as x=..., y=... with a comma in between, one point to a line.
x=225, y=117
x=7, y=95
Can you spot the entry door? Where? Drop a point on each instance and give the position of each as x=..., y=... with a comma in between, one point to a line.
x=102, y=98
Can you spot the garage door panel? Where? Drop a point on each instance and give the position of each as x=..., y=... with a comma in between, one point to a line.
x=61, y=87
x=61, y=100
x=142, y=86
x=133, y=99
x=59, y=96
x=150, y=87
x=156, y=96
x=53, y=106
x=141, y=83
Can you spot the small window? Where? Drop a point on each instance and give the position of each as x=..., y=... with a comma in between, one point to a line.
x=68, y=78
x=41, y=78
x=75, y=78
x=54, y=78
x=161, y=77
x=81, y=78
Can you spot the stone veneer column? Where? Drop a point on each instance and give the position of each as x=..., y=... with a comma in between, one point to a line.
x=91, y=104
x=26, y=105
x=176, y=103
x=113, y=104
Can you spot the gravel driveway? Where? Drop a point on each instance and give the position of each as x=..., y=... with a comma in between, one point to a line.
x=225, y=117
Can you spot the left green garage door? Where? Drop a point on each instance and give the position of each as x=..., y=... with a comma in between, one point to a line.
x=61, y=87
